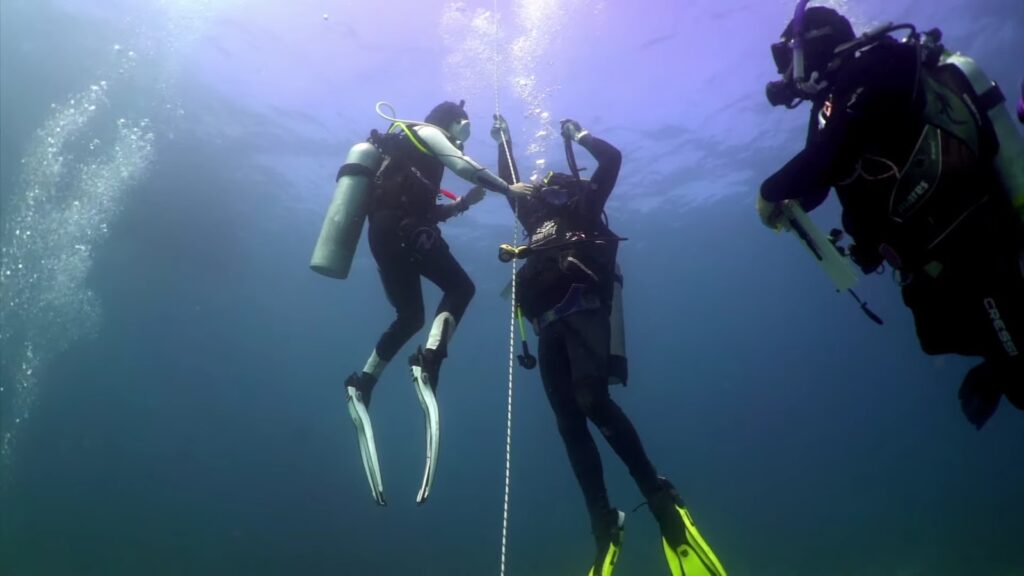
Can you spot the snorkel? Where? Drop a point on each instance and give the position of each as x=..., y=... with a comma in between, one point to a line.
x=789, y=62
x=798, y=41
x=790, y=57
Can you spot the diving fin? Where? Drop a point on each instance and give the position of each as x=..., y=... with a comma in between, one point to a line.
x=506, y=292
x=422, y=380
x=693, y=557
x=686, y=551
x=367, y=444
x=608, y=552
x=980, y=394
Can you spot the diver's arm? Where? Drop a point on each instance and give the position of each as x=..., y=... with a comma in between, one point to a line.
x=863, y=102
x=506, y=168
x=462, y=165
x=609, y=161
x=442, y=212
x=507, y=162
x=804, y=178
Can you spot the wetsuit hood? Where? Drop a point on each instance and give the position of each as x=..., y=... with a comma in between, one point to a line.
x=804, y=52
x=451, y=118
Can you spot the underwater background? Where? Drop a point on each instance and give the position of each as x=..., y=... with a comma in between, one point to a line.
x=172, y=372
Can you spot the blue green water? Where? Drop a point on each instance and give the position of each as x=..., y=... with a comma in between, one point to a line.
x=172, y=398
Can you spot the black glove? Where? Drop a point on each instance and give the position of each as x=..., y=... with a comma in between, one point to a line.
x=866, y=259
x=571, y=129
x=499, y=130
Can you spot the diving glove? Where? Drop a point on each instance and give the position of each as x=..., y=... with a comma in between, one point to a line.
x=358, y=388
x=572, y=130
x=770, y=213
x=499, y=130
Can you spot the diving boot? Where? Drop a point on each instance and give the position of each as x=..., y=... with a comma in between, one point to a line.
x=608, y=528
x=425, y=366
x=358, y=387
x=686, y=551
x=362, y=383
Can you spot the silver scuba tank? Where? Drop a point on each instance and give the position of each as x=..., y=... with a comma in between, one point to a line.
x=343, y=224
x=1009, y=162
x=618, y=363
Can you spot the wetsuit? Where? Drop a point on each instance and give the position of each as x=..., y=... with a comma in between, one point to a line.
x=922, y=198
x=570, y=307
x=406, y=243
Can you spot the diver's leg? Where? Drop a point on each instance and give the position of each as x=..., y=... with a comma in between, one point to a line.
x=587, y=347
x=992, y=326
x=440, y=267
x=435, y=262
x=401, y=284
x=401, y=281
x=556, y=374
x=685, y=550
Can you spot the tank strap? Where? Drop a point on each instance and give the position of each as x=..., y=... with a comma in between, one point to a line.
x=950, y=112
x=355, y=169
x=991, y=98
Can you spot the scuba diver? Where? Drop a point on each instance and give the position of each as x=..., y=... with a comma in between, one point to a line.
x=567, y=289
x=929, y=170
x=394, y=180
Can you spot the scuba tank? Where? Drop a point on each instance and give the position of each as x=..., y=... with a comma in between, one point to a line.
x=618, y=362
x=984, y=102
x=989, y=100
x=343, y=224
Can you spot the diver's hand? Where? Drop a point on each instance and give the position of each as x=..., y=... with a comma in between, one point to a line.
x=866, y=259
x=572, y=129
x=520, y=190
x=499, y=130
x=475, y=194
x=770, y=213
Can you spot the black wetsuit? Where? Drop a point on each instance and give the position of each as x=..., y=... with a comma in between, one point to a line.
x=406, y=242
x=946, y=226
x=574, y=348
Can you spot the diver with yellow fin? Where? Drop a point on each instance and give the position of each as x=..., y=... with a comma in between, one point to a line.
x=569, y=288
x=928, y=165
x=393, y=180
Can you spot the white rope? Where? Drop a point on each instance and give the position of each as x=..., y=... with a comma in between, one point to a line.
x=512, y=316
x=508, y=407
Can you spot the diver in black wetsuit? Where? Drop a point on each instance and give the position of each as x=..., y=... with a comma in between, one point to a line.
x=565, y=289
x=921, y=181
x=407, y=244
